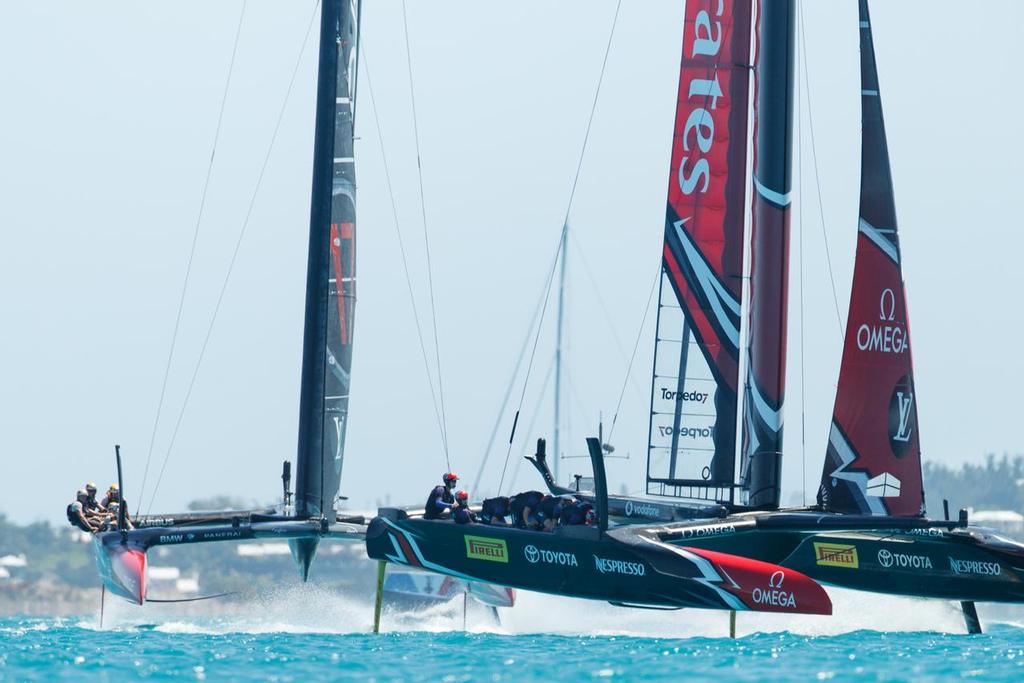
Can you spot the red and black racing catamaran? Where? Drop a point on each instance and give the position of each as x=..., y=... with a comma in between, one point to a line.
x=868, y=530
x=326, y=354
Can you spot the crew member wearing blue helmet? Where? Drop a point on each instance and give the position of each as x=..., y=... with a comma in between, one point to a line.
x=524, y=509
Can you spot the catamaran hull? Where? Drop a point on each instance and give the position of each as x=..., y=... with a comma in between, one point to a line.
x=580, y=562
x=122, y=567
x=121, y=556
x=963, y=564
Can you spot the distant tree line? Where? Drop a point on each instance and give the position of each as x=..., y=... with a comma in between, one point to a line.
x=995, y=484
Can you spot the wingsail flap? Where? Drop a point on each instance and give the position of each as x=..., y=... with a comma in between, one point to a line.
x=693, y=394
x=331, y=275
x=873, y=457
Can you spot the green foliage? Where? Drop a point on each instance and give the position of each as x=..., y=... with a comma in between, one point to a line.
x=996, y=484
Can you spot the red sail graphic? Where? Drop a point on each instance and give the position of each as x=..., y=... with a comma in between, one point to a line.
x=873, y=459
x=693, y=406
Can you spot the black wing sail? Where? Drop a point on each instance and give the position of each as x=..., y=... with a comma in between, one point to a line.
x=330, y=278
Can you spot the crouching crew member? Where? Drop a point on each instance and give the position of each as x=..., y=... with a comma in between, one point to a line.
x=441, y=500
x=549, y=511
x=462, y=513
x=495, y=511
x=577, y=512
x=524, y=509
x=78, y=514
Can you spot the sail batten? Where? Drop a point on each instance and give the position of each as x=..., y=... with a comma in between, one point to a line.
x=873, y=456
x=692, y=438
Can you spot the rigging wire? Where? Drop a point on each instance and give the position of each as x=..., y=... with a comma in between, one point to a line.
x=636, y=345
x=596, y=289
x=508, y=393
x=191, y=256
x=534, y=418
x=426, y=240
x=562, y=233
x=401, y=242
x=234, y=255
x=817, y=175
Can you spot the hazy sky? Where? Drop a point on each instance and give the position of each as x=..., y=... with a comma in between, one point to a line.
x=107, y=120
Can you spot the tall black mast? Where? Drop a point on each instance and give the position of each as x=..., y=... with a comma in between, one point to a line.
x=330, y=275
x=769, y=272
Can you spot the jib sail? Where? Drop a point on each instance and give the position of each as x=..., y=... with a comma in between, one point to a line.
x=692, y=444
x=769, y=253
x=873, y=458
x=330, y=278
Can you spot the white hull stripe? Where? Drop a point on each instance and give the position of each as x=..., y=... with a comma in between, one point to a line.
x=774, y=197
x=875, y=235
x=858, y=479
x=717, y=295
x=344, y=160
x=771, y=417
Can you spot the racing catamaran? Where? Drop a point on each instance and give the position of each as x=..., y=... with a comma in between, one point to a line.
x=868, y=530
x=326, y=355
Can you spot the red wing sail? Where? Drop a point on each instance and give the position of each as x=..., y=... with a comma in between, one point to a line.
x=693, y=401
x=873, y=459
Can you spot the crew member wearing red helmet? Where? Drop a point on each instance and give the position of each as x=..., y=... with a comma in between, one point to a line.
x=462, y=513
x=441, y=500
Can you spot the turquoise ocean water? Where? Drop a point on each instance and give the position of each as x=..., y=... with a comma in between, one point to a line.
x=302, y=635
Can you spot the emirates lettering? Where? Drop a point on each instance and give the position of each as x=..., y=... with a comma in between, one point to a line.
x=700, y=125
x=774, y=597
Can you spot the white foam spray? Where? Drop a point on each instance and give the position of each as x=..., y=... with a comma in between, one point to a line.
x=308, y=608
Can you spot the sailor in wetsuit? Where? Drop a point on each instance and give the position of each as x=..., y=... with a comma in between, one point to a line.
x=576, y=513
x=113, y=497
x=441, y=500
x=462, y=514
x=495, y=511
x=78, y=514
x=549, y=511
x=524, y=509
x=92, y=506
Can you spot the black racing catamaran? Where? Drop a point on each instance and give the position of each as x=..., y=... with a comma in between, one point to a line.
x=326, y=354
x=868, y=530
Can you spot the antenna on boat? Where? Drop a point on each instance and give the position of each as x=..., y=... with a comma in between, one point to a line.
x=600, y=483
x=286, y=483
x=120, y=492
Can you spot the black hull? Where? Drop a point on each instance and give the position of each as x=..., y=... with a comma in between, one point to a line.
x=621, y=567
x=965, y=564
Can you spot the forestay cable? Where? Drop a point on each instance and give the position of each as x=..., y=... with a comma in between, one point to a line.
x=636, y=345
x=426, y=240
x=234, y=255
x=191, y=257
x=817, y=176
